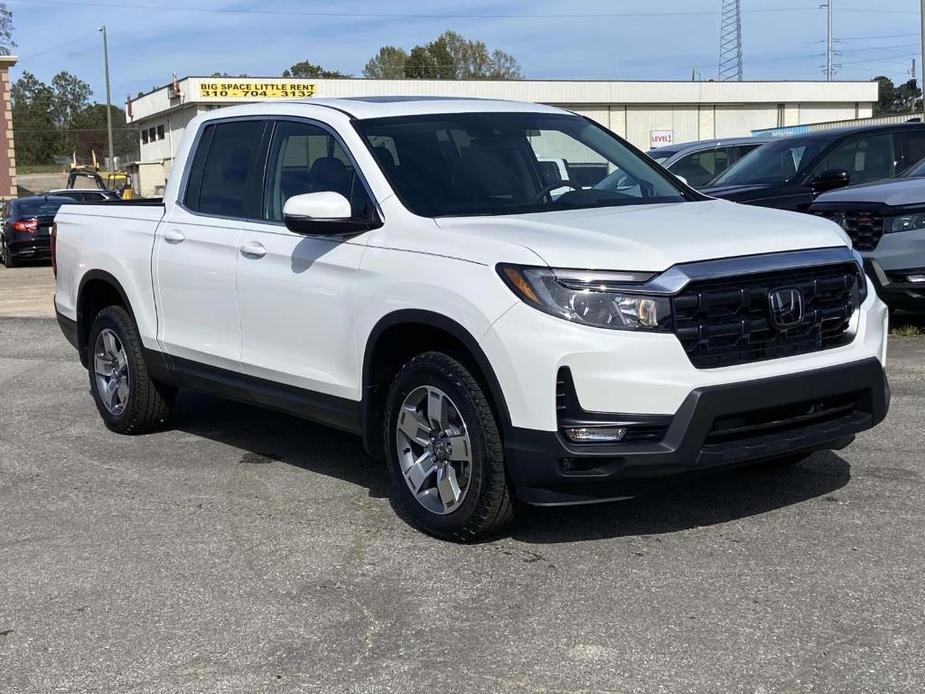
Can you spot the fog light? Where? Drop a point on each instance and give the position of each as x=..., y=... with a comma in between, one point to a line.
x=916, y=279
x=595, y=434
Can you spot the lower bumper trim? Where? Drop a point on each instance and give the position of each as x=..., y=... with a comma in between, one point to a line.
x=543, y=465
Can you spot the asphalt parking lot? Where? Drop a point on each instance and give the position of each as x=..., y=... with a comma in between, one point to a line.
x=243, y=550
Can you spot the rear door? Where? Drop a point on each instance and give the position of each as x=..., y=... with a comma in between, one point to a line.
x=297, y=294
x=196, y=249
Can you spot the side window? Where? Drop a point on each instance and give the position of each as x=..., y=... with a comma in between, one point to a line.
x=913, y=148
x=700, y=168
x=305, y=158
x=224, y=179
x=865, y=159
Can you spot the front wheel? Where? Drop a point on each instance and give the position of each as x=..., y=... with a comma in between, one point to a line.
x=443, y=450
x=127, y=399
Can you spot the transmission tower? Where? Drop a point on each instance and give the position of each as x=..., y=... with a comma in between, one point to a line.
x=730, y=42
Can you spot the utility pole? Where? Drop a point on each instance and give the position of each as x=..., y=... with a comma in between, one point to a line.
x=112, y=160
x=922, y=12
x=829, y=61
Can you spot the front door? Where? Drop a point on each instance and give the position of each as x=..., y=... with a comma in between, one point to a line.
x=297, y=294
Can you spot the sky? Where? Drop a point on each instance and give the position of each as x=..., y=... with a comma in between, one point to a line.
x=551, y=39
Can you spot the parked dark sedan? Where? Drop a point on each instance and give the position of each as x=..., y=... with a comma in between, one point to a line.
x=787, y=173
x=26, y=230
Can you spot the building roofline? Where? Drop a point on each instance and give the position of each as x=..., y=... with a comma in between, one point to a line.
x=517, y=81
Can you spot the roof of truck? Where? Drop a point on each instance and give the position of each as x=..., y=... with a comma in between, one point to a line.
x=363, y=108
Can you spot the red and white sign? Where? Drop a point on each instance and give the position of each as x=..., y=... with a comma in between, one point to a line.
x=660, y=138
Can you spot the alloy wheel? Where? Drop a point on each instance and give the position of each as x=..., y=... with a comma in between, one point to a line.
x=434, y=450
x=110, y=366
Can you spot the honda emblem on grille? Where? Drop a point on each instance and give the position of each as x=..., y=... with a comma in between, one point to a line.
x=786, y=307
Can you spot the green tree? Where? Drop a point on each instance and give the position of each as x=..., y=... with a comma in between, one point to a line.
x=903, y=98
x=38, y=135
x=432, y=61
x=449, y=56
x=7, y=44
x=72, y=95
x=60, y=120
x=88, y=133
x=306, y=70
x=387, y=64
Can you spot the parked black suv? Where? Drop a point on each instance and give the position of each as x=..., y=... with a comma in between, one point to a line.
x=788, y=173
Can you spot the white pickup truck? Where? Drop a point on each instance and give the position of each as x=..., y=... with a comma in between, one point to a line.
x=398, y=268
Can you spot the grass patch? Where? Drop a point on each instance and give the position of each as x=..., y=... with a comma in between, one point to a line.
x=907, y=331
x=39, y=169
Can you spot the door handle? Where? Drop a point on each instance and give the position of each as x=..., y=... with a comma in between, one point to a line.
x=174, y=236
x=253, y=249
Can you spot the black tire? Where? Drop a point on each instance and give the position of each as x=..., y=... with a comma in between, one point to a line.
x=487, y=505
x=8, y=258
x=148, y=403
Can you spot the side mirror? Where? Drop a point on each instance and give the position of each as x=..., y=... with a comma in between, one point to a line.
x=325, y=213
x=830, y=180
x=682, y=179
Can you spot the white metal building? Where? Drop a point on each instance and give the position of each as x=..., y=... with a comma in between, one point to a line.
x=645, y=113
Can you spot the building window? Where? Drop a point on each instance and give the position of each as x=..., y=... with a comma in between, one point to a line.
x=160, y=132
x=144, y=137
x=151, y=134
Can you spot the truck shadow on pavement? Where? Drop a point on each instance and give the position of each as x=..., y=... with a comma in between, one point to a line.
x=264, y=436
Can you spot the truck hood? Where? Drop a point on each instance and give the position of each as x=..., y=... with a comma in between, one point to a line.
x=893, y=192
x=645, y=237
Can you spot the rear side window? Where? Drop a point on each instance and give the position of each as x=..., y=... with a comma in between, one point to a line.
x=224, y=179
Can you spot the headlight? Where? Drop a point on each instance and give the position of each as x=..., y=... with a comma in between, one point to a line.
x=602, y=299
x=904, y=222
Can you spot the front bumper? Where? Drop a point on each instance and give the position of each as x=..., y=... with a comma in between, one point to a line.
x=891, y=287
x=546, y=469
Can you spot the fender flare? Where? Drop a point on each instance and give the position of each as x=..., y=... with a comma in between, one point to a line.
x=82, y=320
x=447, y=325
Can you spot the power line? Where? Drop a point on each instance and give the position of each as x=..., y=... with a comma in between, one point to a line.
x=385, y=15
x=30, y=56
x=874, y=38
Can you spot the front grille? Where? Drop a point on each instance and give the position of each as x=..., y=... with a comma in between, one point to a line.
x=722, y=322
x=864, y=228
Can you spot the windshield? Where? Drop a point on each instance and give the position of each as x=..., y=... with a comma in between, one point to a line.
x=775, y=162
x=917, y=170
x=508, y=163
x=40, y=207
x=660, y=156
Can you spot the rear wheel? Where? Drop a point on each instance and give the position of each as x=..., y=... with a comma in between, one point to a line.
x=443, y=450
x=127, y=399
x=8, y=258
